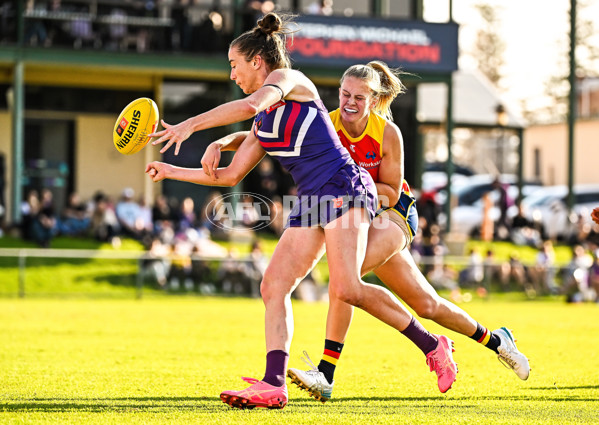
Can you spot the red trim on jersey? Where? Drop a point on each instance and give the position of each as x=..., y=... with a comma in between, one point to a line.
x=295, y=110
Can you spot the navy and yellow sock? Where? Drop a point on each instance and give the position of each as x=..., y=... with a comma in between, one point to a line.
x=486, y=337
x=332, y=351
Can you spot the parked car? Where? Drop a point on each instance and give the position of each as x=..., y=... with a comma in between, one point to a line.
x=468, y=190
x=549, y=208
x=468, y=219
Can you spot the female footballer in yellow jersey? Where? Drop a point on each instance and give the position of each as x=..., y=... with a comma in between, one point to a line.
x=363, y=123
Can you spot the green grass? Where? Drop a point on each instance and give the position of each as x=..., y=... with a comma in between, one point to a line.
x=166, y=361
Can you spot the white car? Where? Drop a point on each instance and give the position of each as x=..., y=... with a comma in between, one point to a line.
x=548, y=207
x=468, y=219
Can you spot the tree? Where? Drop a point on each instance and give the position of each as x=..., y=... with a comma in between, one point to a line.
x=489, y=46
x=557, y=87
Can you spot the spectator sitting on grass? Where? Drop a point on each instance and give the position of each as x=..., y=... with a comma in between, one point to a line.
x=104, y=223
x=75, y=219
x=129, y=215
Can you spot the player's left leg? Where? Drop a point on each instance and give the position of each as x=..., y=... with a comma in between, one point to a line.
x=401, y=274
x=346, y=246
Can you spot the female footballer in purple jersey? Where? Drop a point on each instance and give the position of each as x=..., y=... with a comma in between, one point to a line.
x=292, y=124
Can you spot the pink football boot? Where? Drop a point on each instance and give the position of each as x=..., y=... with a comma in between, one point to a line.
x=259, y=394
x=441, y=361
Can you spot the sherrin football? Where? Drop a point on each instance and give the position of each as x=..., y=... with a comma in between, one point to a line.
x=135, y=122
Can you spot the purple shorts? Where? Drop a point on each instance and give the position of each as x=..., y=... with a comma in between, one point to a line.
x=350, y=187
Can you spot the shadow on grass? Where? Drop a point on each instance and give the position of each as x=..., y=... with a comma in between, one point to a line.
x=214, y=404
x=559, y=387
x=112, y=403
x=499, y=397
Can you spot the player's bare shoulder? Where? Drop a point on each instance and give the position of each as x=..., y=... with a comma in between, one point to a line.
x=294, y=84
x=392, y=135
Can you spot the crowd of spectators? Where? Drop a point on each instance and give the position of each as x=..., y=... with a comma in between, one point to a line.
x=178, y=236
x=577, y=281
x=131, y=25
x=180, y=239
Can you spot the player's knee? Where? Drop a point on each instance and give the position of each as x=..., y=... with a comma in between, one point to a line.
x=426, y=308
x=272, y=288
x=347, y=293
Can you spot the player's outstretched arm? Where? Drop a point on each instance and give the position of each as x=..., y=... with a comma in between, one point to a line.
x=227, y=113
x=211, y=157
x=246, y=158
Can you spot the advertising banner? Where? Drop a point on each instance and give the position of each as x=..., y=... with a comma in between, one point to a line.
x=412, y=45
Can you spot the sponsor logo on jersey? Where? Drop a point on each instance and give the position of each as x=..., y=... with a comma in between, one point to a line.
x=371, y=155
x=337, y=202
x=368, y=165
x=275, y=106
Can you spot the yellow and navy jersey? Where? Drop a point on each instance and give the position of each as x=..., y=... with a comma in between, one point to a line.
x=366, y=149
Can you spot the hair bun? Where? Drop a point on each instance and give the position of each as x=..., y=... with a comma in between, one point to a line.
x=269, y=24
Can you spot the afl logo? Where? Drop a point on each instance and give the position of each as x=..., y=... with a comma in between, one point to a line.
x=241, y=211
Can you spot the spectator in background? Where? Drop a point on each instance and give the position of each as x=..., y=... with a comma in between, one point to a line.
x=8, y=21
x=277, y=217
x=594, y=275
x=543, y=272
x=502, y=226
x=30, y=207
x=255, y=266
x=163, y=219
x=513, y=271
x=155, y=262
x=44, y=224
x=74, y=220
x=36, y=33
x=180, y=271
x=212, y=218
x=320, y=7
x=130, y=216
x=487, y=229
x=247, y=211
x=186, y=217
x=474, y=273
x=145, y=217
x=523, y=231
x=576, y=276
x=104, y=223
x=268, y=184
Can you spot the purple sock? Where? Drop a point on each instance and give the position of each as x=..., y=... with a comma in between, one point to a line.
x=276, y=367
x=420, y=336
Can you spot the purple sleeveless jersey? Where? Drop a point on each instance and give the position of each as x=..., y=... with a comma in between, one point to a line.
x=302, y=137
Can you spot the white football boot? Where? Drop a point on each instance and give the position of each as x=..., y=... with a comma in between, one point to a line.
x=311, y=380
x=509, y=355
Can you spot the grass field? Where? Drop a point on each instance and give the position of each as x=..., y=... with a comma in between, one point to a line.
x=166, y=360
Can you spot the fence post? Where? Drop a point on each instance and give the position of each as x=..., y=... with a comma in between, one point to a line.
x=22, y=259
x=139, y=280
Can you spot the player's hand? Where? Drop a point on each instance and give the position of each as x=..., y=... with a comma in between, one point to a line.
x=595, y=215
x=211, y=159
x=158, y=171
x=173, y=134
